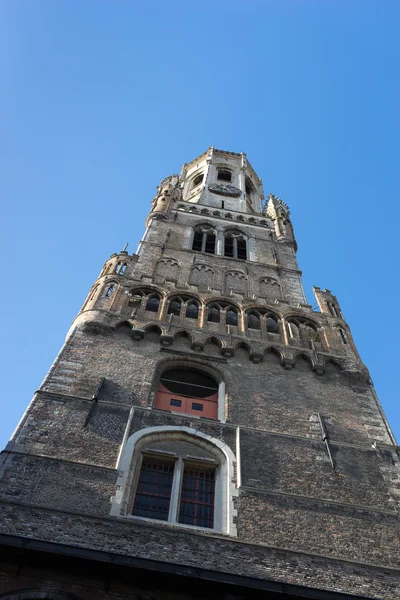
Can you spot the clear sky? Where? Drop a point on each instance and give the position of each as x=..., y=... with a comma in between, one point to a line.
x=101, y=99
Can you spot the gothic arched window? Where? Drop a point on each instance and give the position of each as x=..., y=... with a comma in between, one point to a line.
x=235, y=245
x=174, y=307
x=271, y=323
x=304, y=330
x=214, y=313
x=342, y=335
x=192, y=310
x=153, y=303
x=232, y=316
x=204, y=239
x=260, y=318
x=253, y=320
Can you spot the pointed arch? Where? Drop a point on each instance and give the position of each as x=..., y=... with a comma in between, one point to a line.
x=152, y=333
x=181, y=335
x=213, y=341
x=243, y=346
x=331, y=362
x=130, y=461
x=271, y=350
x=302, y=356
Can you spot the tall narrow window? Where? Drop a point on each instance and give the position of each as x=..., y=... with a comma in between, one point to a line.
x=110, y=290
x=153, y=304
x=231, y=317
x=210, y=243
x=175, y=307
x=213, y=314
x=197, y=240
x=253, y=320
x=197, y=496
x=154, y=488
x=241, y=248
x=249, y=187
x=271, y=323
x=192, y=310
x=229, y=246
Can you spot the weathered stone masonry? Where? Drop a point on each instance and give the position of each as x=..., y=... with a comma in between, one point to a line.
x=309, y=495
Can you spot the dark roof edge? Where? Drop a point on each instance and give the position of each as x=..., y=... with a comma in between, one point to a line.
x=277, y=587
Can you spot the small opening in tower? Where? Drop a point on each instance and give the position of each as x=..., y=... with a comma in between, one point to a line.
x=228, y=246
x=224, y=175
x=241, y=249
x=210, y=243
x=197, y=241
x=197, y=180
x=249, y=187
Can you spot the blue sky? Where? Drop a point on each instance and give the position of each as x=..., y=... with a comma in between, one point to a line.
x=101, y=99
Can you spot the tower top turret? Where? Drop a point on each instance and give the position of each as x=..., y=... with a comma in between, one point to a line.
x=222, y=179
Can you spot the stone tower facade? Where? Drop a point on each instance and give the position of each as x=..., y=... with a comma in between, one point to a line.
x=203, y=432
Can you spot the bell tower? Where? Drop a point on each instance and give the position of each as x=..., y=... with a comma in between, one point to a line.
x=203, y=431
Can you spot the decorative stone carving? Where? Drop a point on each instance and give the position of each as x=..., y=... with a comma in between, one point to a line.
x=224, y=189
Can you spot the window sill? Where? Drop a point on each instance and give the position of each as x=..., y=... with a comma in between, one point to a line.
x=182, y=526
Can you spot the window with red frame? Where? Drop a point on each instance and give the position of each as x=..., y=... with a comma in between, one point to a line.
x=188, y=391
x=153, y=492
x=197, y=497
x=196, y=482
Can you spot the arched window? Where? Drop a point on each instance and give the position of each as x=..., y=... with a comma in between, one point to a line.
x=249, y=194
x=123, y=269
x=253, y=320
x=294, y=329
x=235, y=245
x=231, y=316
x=197, y=180
x=214, y=313
x=224, y=175
x=303, y=330
x=183, y=476
x=249, y=187
x=333, y=309
x=259, y=319
x=192, y=310
x=204, y=239
x=110, y=290
x=153, y=303
x=342, y=335
x=271, y=323
x=188, y=391
x=174, y=307
x=117, y=267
